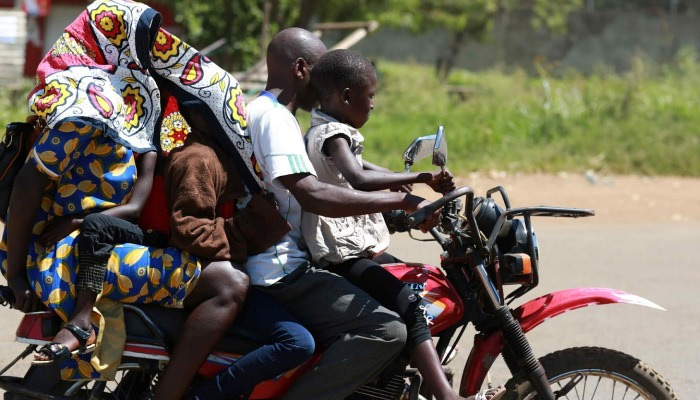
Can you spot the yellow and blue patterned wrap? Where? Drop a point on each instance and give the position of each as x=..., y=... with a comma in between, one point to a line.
x=90, y=172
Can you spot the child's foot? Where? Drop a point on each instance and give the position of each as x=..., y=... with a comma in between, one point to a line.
x=69, y=341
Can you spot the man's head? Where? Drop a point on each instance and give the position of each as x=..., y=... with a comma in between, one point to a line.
x=345, y=82
x=291, y=55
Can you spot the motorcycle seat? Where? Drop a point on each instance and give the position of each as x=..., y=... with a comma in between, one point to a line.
x=157, y=325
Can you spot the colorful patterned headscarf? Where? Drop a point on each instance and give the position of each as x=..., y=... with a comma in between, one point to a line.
x=100, y=71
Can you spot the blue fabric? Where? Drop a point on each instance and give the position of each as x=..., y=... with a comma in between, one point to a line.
x=287, y=344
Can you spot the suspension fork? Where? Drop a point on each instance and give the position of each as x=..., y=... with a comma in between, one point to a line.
x=517, y=352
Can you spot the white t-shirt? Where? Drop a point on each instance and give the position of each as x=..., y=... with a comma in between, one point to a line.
x=279, y=151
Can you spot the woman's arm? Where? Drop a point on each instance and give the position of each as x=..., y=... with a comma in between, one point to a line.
x=25, y=202
x=377, y=178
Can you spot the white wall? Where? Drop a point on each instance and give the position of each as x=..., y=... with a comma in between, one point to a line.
x=13, y=36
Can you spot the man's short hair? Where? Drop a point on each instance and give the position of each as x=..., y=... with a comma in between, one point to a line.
x=340, y=69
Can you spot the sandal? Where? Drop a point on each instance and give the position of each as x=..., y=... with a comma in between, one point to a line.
x=58, y=351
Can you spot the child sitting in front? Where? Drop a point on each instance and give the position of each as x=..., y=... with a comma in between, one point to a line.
x=345, y=83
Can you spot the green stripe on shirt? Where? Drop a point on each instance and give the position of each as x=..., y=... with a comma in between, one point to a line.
x=292, y=163
x=302, y=165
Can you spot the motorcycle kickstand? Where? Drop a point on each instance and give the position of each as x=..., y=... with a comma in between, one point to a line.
x=27, y=351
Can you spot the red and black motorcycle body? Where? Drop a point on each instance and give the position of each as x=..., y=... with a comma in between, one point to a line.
x=151, y=329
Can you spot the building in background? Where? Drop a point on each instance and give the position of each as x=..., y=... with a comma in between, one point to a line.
x=28, y=29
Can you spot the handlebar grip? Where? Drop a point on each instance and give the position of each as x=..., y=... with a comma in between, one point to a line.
x=419, y=216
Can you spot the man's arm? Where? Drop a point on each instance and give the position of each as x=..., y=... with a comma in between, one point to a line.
x=335, y=201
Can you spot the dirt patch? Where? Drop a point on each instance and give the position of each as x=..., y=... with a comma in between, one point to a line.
x=614, y=198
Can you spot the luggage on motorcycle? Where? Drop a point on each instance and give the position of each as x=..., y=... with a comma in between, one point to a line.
x=14, y=148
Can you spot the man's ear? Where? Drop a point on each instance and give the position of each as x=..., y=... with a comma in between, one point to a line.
x=301, y=68
x=345, y=96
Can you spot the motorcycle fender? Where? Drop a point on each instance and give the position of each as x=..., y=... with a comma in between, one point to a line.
x=487, y=347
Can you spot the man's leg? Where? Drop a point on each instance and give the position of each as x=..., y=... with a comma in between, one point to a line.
x=359, y=337
x=215, y=300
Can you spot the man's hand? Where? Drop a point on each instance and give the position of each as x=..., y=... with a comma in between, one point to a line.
x=25, y=298
x=415, y=203
x=57, y=229
x=442, y=182
x=431, y=220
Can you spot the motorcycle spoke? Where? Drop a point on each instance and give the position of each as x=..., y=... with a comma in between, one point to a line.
x=625, y=395
x=562, y=387
x=596, y=387
x=585, y=381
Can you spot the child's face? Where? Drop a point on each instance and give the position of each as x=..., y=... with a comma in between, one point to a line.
x=357, y=103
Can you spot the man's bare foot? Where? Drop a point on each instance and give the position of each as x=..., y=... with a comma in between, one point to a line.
x=66, y=342
x=491, y=394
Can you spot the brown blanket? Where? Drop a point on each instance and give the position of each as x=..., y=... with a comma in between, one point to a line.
x=199, y=177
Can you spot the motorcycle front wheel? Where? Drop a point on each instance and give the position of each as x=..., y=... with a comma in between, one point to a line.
x=595, y=373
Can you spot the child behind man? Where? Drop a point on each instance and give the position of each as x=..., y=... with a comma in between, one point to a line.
x=345, y=83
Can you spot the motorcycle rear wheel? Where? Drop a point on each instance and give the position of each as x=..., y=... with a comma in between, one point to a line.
x=604, y=374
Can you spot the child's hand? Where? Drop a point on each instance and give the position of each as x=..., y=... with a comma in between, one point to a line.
x=57, y=229
x=442, y=181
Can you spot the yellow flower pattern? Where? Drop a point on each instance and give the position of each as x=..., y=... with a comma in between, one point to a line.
x=90, y=182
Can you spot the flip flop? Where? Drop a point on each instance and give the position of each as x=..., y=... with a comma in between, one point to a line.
x=59, y=351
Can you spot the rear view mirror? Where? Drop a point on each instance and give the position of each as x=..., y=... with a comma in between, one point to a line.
x=421, y=148
x=440, y=148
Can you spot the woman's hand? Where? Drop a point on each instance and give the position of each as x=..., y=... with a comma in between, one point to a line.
x=25, y=298
x=442, y=182
x=57, y=229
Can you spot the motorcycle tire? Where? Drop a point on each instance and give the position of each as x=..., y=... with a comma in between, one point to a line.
x=602, y=370
x=136, y=385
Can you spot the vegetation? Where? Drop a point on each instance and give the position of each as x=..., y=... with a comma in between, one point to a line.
x=248, y=25
x=643, y=122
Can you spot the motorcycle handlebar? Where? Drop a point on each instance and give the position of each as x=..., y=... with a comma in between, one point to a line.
x=419, y=216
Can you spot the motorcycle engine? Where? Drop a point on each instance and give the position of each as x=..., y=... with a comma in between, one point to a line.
x=511, y=244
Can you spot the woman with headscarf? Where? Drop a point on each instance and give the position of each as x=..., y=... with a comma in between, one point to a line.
x=101, y=104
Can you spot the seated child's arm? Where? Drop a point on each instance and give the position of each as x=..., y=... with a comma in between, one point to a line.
x=370, y=179
x=60, y=227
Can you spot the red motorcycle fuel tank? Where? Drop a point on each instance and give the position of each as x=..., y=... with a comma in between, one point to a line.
x=441, y=303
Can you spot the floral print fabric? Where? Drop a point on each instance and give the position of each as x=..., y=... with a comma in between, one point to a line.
x=90, y=173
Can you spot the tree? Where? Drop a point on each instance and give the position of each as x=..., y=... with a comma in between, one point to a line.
x=470, y=19
x=247, y=25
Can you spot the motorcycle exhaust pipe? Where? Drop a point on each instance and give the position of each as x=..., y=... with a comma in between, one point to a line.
x=521, y=352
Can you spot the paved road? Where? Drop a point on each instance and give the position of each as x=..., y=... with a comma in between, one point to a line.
x=657, y=261
x=654, y=261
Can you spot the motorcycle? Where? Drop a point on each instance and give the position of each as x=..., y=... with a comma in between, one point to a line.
x=486, y=250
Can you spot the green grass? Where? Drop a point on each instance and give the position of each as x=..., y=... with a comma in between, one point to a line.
x=646, y=121
x=13, y=105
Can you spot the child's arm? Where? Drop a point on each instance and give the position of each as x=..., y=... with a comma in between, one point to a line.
x=60, y=227
x=377, y=178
